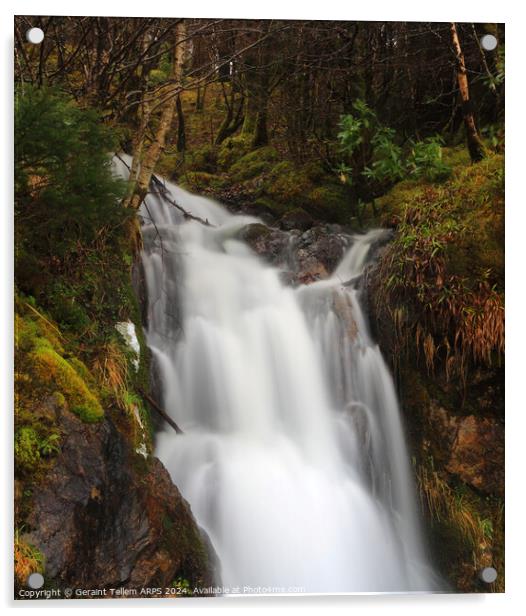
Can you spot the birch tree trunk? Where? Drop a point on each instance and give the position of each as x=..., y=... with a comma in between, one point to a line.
x=146, y=158
x=475, y=145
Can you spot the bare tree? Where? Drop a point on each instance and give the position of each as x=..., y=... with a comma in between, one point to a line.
x=475, y=145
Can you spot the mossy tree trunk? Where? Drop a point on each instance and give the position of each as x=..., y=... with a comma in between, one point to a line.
x=249, y=121
x=233, y=118
x=475, y=145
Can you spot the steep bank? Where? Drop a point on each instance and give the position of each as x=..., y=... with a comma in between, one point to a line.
x=94, y=508
x=436, y=299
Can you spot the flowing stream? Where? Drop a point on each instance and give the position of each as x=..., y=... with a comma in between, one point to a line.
x=293, y=456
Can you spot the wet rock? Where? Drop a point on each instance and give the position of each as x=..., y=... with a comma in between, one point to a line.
x=259, y=210
x=296, y=219
x=471, y=447
x=242, y=204
x=477, y=455
x=269, y=243
x=305, y=256
x=318, y=251
x=105, y=517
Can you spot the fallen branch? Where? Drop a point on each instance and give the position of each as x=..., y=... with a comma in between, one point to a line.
x=164, y=192
x=161, y=412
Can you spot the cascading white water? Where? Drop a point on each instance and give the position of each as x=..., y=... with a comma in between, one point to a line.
x=293, y=456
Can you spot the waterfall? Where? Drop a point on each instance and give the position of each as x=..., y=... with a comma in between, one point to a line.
x=293, y=456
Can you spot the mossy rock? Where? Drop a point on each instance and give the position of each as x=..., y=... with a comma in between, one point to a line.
x=288, y=185
x=204, y=159
x=445, y=269
x=231, y=150
x=332, y=202
x=199, y=180
x=275, y=208
x=50, y=367
x=27, y=449
x=253, y=164
x=297, y=218
x=41, y=358
x=253, y=232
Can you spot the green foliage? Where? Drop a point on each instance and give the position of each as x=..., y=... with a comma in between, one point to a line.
x=425, y=160
x=67, y=310
x=64, y=188
x=182, y=586
x=31, y=445
x=50, y=366
x=494, y=136
x=27, y=451
x=495, y=79
x=371, y=153
x=387, y=164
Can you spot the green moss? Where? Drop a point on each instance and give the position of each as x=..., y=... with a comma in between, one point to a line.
x=231, y=150
x=465, y=214
x=59, y=399
x=393, y=205
x=456, y=156
x=26, y=331
x=288, y=185
x=82, y=370
x=252, y=233
x=168, y=164
x=443, y=275
x=200, y=180
x=204, y=159
x=33, y=444
x=274, y=207
x=333, y=200
x=50, y=368
x=253, y=164
x=27, y=449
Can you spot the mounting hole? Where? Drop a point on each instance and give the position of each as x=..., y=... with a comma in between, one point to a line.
x=488, y=575
x=35, y=581
x=488, y=42
x=35, y=35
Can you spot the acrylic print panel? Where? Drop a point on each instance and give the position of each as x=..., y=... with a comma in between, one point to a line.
x=259, y=307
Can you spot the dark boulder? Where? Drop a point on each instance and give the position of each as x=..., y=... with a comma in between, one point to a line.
x=267, y=242
x=296, y=219
x=318, y=251
x=105, y=517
